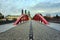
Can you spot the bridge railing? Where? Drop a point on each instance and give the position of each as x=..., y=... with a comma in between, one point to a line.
x=39, y=17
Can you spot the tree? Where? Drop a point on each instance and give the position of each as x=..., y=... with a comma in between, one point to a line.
x=1, y=16
x=57, y=16
x=0, y=13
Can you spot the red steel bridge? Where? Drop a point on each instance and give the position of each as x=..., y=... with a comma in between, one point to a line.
x=25, y=17
x=31, y=29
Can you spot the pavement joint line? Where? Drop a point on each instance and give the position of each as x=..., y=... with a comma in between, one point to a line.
x=31, y=32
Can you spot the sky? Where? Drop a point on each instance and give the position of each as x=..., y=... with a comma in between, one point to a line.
x=13, y=7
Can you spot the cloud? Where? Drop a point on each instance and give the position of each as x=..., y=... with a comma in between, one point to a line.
x=47, y=7
x=14, y=6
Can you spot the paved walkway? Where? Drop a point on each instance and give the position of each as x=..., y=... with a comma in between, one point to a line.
x=6, y=27
x=21, y=32
x=43, y=32
x=54, y=26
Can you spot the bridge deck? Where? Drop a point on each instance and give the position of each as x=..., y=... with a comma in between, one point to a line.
x=21, y=32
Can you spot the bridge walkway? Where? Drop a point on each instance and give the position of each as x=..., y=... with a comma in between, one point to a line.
x=22, y=31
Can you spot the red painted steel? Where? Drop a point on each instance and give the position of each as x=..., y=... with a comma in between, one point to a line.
x=23, y=17
x=38, y=17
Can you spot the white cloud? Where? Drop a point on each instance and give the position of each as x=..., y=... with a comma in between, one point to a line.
x=15, y=6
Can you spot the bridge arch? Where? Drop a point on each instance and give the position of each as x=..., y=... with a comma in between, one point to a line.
x=23, y=17
x=39, y=17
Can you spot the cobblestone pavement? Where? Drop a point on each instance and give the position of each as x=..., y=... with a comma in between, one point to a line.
x=21, y=32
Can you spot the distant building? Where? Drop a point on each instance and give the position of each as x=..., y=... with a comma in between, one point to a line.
x=48, y=15
x=22, y=11
x=29, y=14
x=11, y=17
x=25, y=11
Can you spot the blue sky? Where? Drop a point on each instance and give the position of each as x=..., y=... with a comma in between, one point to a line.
x=12, y=7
